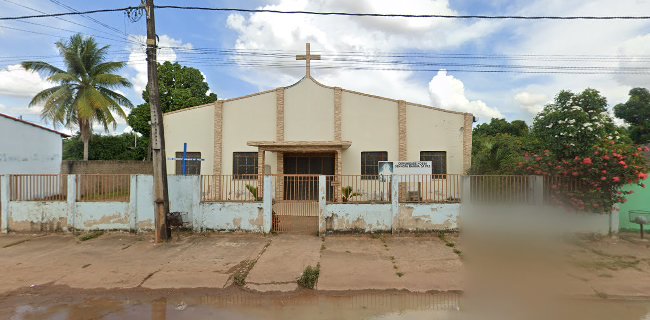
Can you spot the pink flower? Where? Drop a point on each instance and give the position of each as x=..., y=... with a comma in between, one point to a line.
x=605, y=157
x=603, y=178
x=575, y=174
x=616, y=179
x=604, y=171
x=621, y=163
x=587, y=161
x=643, y=176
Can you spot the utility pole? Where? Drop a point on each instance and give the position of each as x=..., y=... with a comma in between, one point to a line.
x=161, y=199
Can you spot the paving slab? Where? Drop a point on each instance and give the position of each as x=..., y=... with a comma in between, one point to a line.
x=207, y=263
x=283, y=262
x=356, y=263
x=426, y=264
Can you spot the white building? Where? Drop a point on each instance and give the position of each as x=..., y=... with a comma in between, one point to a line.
x=27, y=148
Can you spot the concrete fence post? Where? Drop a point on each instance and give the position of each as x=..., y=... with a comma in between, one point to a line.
x=267, y=203
x=198, y=218
x=322, y=202
x=4, y=203
x=72, y=201
x=394, y=201
x=133, y=203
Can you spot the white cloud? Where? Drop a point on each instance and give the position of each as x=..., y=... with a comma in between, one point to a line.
x=448, y=92
x=337, y=35
x=532, y=102
x=18, y=82
x=616, y=40
x=137, y=57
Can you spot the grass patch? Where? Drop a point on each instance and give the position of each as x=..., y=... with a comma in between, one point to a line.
x=90, y=235
x=450, y=244
x=309, y=277
x=399, y=274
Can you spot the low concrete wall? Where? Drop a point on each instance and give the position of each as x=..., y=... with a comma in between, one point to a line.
x=231, y=216
x=358, y=217
x=425, y=217
x=106, y=167
x=361, y=217
x=137, y=214
x=38, y=216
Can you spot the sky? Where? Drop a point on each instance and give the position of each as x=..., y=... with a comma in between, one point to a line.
x=200, y=39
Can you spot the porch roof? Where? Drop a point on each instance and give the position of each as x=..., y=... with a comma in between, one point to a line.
x=300, y=146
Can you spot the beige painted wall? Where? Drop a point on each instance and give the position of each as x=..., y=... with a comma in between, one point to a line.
x=196, y=128
x=433, y=130
x=248, y=119
x=308, y=112
x=371, y=125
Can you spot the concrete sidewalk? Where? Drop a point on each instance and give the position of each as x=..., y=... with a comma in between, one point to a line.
x=274, y=262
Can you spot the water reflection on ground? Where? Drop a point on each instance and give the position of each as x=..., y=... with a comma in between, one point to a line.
x=243, y=305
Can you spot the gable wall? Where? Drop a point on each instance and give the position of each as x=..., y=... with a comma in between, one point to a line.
x=308, y=112
x=371, y=124
x=432, y=130
x=194, y=127
x=248, y=119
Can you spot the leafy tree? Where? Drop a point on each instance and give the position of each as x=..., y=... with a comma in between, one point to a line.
x=587, y=158
x=574, y=124
x=498, y=146
x=127, y=146
x=517, y=128
x=636, y=112
x=180, y=87
x=496, y=154
x=84, y=92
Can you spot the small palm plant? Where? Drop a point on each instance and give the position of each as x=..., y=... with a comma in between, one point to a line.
x=253, y=191
x=347, y=193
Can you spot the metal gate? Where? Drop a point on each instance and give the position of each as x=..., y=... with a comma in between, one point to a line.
x=296, y=206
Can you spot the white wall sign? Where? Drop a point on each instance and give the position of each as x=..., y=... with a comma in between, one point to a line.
x=404, y=167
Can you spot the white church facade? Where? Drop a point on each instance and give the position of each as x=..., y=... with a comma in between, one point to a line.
x=312, y=128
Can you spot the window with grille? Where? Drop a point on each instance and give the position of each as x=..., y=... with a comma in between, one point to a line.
x=370, y=163
x=244, y=163
x=193, y=167
x=438, y=160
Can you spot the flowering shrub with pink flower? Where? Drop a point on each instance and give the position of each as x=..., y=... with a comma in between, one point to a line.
x=592, y=182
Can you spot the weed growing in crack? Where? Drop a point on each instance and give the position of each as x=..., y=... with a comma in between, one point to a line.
x=399, y=274
x=309, y=277
x=90, y=235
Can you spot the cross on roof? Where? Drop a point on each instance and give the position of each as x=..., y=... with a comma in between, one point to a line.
x=308, y=57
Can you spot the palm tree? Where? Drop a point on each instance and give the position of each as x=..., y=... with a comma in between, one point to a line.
x=84, y=92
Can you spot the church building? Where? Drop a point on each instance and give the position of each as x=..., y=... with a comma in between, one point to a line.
x=312, y=128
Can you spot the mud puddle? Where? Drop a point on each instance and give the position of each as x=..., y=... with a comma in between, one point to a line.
x=65, y=303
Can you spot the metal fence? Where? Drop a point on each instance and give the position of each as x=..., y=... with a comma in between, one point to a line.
x=501, y=189
x=358, y=189
x=38, y=187
x=243, y=187
x=427, y=188
x=562, y=190
x=103, y=187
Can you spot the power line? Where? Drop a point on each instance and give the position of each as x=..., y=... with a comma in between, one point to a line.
x=124, y=39
x=335, y=13
x=87, y=17
x=397, y=15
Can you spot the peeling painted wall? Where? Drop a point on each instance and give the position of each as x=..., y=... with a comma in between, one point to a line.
x=231, y=216
x=38, y=216
x=102, y=216
x=358, y=217
x=425, y=217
